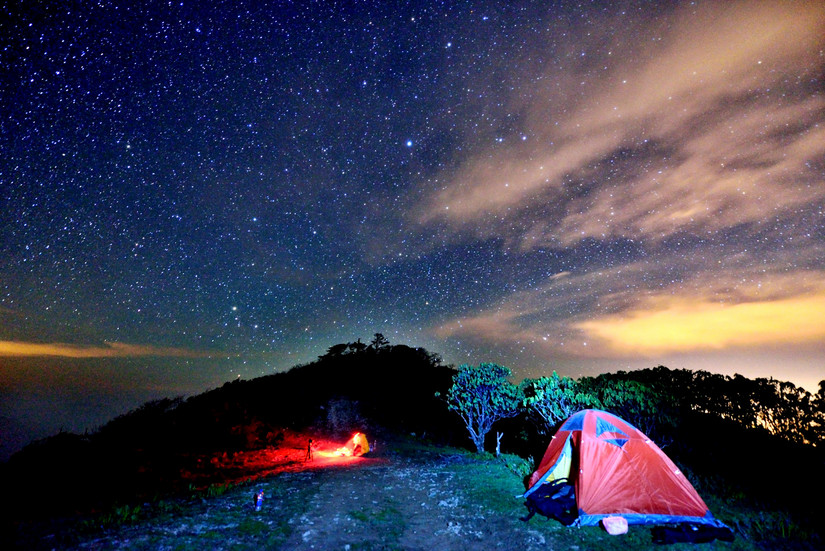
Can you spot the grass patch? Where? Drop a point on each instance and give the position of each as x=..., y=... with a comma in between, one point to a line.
x=214, y=490
x=490, y=483
x=385, y=524
x=253, y=527
x=278, y=532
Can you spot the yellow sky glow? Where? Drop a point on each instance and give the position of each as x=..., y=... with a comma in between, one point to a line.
x=108, y=350
x=683, y=326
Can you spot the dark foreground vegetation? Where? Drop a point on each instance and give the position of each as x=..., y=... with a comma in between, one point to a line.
x=752, y=448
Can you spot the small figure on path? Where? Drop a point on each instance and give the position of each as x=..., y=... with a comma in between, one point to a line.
x=309, y=451
x=259, y=500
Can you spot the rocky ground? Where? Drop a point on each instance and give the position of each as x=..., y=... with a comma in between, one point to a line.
x=410, y=500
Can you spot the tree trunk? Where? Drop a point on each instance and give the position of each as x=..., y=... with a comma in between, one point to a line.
x=478, y=440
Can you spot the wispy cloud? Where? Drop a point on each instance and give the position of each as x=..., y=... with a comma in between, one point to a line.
x=108, y=350
x=700, y=143
x=621, y=312
x=717, y=115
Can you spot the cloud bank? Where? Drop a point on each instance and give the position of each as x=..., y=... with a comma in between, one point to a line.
x=700, y=144
x=707, y=124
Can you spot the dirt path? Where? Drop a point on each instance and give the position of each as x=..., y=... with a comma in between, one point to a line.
x=373, y=503
x=401, y=504
x=411, y=503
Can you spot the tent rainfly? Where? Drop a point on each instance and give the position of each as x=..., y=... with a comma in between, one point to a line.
x=618, y=471
x=356, y=446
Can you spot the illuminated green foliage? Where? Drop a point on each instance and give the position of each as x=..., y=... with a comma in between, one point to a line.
x=481, y=396
x=648, y=409
x=553, y=399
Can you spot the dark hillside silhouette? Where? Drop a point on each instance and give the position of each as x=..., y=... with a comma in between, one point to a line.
x=143, y=453
x=730, y=433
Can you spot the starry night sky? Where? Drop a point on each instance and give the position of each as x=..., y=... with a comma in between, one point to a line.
x=192, y=193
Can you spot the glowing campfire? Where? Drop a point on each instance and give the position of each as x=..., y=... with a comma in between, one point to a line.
x=356, y=446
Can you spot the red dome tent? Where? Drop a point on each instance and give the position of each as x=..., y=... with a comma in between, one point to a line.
x=618, y=471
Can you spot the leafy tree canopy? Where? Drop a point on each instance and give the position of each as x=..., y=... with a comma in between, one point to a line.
x=553, y=399
x=482, y=395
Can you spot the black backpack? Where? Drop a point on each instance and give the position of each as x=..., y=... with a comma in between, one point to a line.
x=556, y=499
x=690, y=533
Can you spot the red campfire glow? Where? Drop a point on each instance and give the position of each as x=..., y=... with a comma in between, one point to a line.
x=296, y=452
x=356, y=446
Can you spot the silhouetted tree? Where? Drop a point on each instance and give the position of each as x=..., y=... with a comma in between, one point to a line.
x=379, y=342
x=337, y=349
x=762, y=404
x=816, y=425
x=356, y=347
x=783, y=408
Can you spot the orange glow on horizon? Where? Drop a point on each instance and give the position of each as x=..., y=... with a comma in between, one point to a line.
x=107, y=350
x=678, y=325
